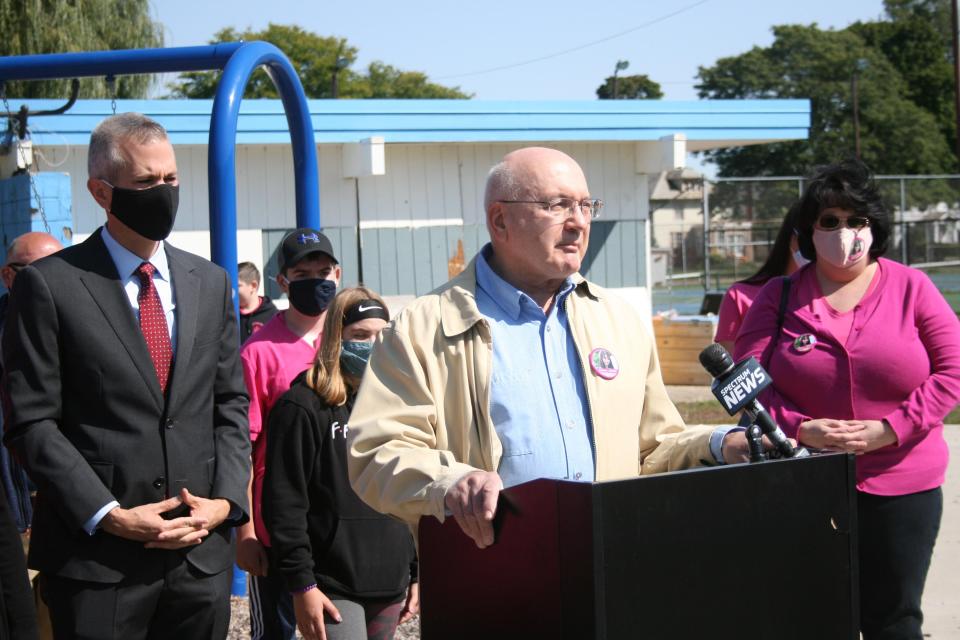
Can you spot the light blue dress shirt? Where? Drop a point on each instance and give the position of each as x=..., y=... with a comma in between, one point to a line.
x=538, y=402
x=127, y=264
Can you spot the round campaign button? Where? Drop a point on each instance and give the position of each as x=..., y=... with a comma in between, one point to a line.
x=805, y=342
x=604, y=363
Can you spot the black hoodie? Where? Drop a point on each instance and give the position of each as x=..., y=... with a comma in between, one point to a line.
x=320, y=530
x=250, y=322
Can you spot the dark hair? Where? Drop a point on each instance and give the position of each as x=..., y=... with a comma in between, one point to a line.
x=779, y=256
x=845, y=185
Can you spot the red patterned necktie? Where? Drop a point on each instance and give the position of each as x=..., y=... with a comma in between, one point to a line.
x=153, y=324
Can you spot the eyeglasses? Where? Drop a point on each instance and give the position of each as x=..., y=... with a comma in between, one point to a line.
x=16, y=266
x=829, y=222
x=565, y=207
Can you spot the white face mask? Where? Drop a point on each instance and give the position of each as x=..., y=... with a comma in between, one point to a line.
x=843, y=247
x=799, y=260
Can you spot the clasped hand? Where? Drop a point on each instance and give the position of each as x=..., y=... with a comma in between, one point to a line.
x=146, y=523
x=851, y=436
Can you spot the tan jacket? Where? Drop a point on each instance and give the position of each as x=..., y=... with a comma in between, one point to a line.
x=422, y=417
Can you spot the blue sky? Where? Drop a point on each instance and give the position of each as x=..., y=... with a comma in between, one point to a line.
x=453, y=40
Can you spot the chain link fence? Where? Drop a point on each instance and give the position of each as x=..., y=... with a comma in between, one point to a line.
x=697, y=253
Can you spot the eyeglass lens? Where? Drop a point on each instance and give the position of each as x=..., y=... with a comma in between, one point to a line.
x=830, y=221
x=588, y=207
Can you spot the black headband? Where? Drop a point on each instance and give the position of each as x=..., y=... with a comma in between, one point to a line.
x=363, y=310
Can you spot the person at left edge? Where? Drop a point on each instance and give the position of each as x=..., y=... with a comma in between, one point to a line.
x=24, y=250
x=128, y=410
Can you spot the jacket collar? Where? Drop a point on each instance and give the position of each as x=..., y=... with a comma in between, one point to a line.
x=458, y=299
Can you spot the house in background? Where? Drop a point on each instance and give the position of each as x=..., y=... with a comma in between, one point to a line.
x=401, y=181
x=676, y=221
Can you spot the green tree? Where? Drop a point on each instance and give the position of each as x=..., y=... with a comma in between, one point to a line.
x=62, y=26
x=921, y=51
x=897, y=135
x=636, y=87
x=315, y=58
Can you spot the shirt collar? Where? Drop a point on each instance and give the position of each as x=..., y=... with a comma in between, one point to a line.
x=504, y=294
x=127, y=262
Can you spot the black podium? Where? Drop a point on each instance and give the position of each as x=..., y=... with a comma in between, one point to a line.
x=743, y=551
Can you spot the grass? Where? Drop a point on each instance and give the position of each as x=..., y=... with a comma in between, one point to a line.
x=709, y=412
x=704, y=412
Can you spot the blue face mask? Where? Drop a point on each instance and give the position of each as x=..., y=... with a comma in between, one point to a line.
x=354, y=357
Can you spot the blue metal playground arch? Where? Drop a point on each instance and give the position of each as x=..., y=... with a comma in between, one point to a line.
x=238, y=60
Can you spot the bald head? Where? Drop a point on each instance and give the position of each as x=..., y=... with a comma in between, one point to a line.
x=522, y=172
x=26, y=249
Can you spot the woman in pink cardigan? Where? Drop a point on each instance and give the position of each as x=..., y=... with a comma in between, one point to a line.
x=867, y=361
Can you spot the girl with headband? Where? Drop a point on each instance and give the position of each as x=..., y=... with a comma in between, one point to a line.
x=351, y=570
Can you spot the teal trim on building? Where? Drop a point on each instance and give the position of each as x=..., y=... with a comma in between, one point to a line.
x=452, y=121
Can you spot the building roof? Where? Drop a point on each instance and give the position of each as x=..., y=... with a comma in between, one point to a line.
x=707, y=124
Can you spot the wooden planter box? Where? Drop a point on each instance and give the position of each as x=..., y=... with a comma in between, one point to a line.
x=679, y=343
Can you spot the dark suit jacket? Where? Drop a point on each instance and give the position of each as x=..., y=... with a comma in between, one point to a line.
x=88, y=419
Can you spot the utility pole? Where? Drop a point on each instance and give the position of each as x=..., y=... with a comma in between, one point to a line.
x=621, y=65
x=856, y=113
x=338, y=66
x=858, y=66
x=956, y=70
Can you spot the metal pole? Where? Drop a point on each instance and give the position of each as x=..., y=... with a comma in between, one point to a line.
x=121, y=62
x=904, y=255
x=706, y=237
x=856, y=112
x=956, y=70
x=221, y=164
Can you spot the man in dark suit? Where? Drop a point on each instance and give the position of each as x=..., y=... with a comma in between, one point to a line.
x=128, y=410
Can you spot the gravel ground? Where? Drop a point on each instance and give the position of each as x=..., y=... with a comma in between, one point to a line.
x=240, y=623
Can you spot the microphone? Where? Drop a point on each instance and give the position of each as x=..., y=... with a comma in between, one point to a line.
x=737, y=387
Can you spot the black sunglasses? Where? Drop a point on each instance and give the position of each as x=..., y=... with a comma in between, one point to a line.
x=830, y=222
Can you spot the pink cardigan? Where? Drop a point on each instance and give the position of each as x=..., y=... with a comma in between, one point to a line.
x=901, y=363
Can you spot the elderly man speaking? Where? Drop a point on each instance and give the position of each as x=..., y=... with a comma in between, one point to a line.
x=516, y=369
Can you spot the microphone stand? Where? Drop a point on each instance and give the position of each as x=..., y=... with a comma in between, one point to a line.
x=755, y=441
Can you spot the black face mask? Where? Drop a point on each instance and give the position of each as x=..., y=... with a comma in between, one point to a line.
x=149, y=212
x=312, y=295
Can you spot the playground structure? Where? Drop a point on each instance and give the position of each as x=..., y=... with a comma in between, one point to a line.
x=238, y=61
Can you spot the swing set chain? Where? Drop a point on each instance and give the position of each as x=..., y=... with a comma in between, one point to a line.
x=111, y=81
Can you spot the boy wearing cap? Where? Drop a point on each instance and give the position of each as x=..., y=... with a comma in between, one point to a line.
x=272, y=357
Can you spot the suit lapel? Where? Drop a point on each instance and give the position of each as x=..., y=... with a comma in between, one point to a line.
x=105, y=287
x=187, y=291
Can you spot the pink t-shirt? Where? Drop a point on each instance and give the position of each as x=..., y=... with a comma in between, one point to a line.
x=733, y=309
x=271, y=359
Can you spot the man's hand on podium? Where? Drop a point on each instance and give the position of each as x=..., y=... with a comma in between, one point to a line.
x=736, y=450
x=472, y=501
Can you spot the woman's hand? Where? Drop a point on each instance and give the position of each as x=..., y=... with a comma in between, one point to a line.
x=412, y=606
x=834, y=435
x=876, y=433
x=309, y=607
